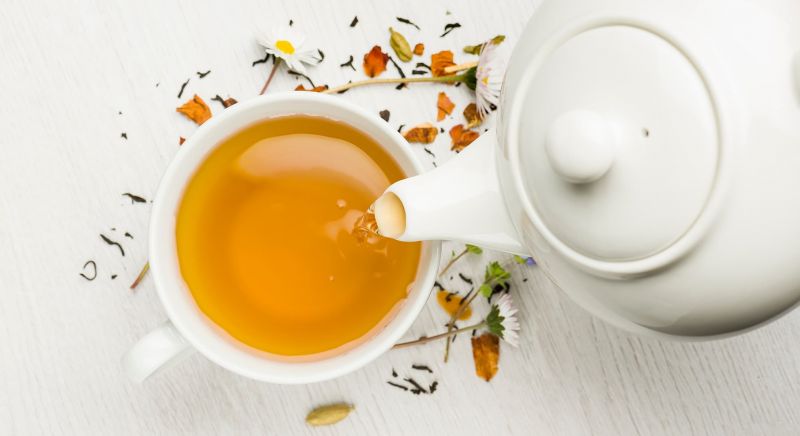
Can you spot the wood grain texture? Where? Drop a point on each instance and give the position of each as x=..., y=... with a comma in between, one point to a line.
x=69, y=66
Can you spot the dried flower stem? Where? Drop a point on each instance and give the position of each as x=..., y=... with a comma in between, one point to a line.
x=271, y=75
x=453, y=260
x=460, y=67
x=439, y=336
x=442, y=79
x=140, y=276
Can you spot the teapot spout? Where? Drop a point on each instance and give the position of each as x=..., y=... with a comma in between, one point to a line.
x=461, y=201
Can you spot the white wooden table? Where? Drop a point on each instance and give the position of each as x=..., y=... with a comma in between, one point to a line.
x=70, y=67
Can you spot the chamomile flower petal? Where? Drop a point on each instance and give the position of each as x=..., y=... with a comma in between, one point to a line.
x=502, y=320
x=288, y=44
x=489, y=79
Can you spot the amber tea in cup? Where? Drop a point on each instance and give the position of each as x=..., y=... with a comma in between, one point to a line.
x=266, y=241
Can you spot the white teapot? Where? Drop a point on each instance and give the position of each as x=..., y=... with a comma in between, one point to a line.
x=647, y=155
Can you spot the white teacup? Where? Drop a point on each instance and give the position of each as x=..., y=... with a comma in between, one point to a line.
x=189, y=329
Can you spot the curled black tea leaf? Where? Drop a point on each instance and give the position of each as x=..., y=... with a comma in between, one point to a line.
x=93, y=273
x=262, y=61
x=110, y=242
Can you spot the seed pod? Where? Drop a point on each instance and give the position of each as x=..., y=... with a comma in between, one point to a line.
x=328, y=414
x=400, y=45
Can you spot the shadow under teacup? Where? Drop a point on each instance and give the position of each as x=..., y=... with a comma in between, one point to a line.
x=190, y=329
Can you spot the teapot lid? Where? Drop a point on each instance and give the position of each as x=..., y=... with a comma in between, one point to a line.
x=619, y=142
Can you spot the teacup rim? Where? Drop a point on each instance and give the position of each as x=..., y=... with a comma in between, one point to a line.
x=209, y=339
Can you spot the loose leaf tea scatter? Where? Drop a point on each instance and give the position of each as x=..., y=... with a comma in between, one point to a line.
x=196, y=110
x=181, y=140
x=440, y=61
x=123, y=135
x=134, y=198
x=385, y=115
x=354, y=22
x=391, y=383
x=449, y=28
x=419, y=49
x=92, y=271
x=262, y=61
x=349, y=63
x=423, y=134
x=486, y=354
x=201, y=75
x=328, y=414
x=183, y=86
x=461, y=138
x=407, y=21
x=444, y=106
x=375, y=61
x=226, y=103
x=422, y=368
x=110, y=242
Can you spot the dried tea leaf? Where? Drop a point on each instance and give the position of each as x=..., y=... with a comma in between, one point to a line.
x=419, y=49
x=181, y=140
x=320, y=88
x=400, y=45
x=444, y=105
x=486, y=353
x=440, y=61
x=183, y=87
x=134, y=198
x=407, y=21
x=476, y=49
x=472, y=116
x=349, y=63
x=375, y=61
x=196, y=110
x=225, y=102
x=461, y=137
x=328, y=414
x=385, y=114
x=93, y=274
x=449, y=28
x=423, y=134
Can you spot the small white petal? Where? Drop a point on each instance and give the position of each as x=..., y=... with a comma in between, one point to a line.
x=505, y=306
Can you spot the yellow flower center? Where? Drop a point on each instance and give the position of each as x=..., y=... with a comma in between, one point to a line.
x=485, y=80
x=285, y=46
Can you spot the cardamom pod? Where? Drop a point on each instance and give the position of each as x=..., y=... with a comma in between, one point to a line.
x=400, y=45
x=329, y=414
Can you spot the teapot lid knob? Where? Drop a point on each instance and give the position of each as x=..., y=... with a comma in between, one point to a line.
x=580, y=146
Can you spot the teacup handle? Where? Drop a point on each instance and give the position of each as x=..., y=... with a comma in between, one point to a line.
x=159, y=349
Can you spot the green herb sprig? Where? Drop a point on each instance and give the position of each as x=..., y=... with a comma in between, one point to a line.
x=494, y=275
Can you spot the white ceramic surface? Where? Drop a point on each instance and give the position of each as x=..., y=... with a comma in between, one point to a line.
x=647, y=155
x=189, y=328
